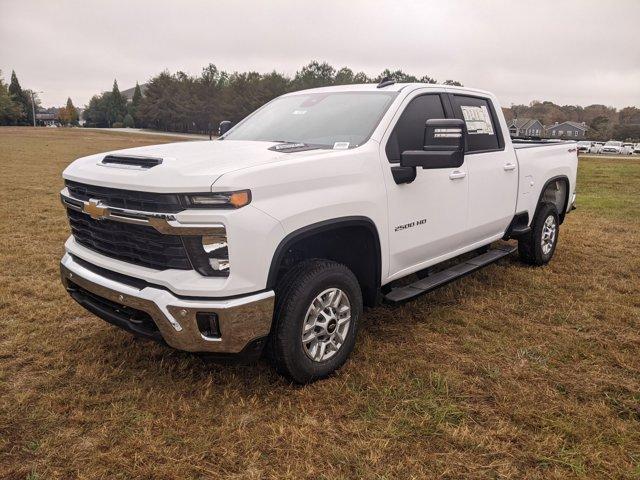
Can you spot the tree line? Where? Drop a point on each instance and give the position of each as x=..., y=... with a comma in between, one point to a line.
x=17, y=105
x=113, y=109
x=184, y=103
x=604, y=122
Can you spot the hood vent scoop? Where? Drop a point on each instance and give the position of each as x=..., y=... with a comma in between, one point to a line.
x=130, y=161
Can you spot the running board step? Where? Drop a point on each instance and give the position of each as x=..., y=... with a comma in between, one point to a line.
x=443, y=277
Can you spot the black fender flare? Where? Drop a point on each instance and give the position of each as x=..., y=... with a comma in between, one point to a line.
x=319, y=227
x=565, y=179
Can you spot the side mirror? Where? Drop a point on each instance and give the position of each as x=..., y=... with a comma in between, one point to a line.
x=444, y=142
x=224, y=127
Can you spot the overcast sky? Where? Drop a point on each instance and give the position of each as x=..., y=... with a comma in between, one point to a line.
x=571, y=52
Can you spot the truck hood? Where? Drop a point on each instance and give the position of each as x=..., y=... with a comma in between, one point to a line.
x=186, y=166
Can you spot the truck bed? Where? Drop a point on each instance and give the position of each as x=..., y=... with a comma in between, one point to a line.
x=539, y=162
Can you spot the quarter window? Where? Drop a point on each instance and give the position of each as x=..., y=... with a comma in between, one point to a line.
x=408, y=134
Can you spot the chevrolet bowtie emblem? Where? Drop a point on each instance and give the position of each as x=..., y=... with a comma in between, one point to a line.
x=94, y=209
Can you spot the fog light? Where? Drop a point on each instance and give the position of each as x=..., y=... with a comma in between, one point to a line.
x=219, y=265
x=218, y=252
x=208, y=324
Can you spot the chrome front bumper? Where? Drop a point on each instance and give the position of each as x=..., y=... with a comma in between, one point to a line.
x=241, y=320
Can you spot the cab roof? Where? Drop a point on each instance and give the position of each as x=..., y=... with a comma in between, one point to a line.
x=394, y=87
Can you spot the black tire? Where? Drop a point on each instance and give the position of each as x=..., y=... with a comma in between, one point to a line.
x=530, y=245
x=294, y=295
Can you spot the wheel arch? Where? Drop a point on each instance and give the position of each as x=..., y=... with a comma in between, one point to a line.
x=353, y=241
x=546, y=195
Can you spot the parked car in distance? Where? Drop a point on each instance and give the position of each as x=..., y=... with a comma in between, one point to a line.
x=636, y=148
x=584, y=146
x=627, y=148
x=596, y=147
x=277, y=234
x=612, y=146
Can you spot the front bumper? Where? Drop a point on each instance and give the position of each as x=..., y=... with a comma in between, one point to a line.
x=242, y=321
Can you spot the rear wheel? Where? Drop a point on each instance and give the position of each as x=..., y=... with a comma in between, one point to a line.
x=538, y=246
x=318, y=306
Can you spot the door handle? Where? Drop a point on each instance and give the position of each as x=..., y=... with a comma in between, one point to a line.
x=456, y=174
x=509, y=166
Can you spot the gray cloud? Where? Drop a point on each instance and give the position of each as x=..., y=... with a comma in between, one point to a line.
x=567, y=51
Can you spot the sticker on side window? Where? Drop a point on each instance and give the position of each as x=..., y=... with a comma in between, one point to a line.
x=478, y=120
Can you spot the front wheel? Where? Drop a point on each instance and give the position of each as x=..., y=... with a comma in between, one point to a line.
x=318, y=306
x=538, y=246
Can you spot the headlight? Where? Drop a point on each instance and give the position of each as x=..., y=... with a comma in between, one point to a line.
x=236, y=199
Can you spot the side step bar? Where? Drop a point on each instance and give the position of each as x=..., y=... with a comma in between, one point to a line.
x=443, y=277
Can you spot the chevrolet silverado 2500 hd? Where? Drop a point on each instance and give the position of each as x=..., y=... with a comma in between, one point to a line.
x=278, y=233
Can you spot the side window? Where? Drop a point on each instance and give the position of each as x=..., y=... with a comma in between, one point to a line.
x=482, y=127
x=408, y=134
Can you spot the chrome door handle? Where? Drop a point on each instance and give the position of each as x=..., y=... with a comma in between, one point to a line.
x=509, y=166
x=456, y=174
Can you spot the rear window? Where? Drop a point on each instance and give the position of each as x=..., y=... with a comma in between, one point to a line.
x=482, y=127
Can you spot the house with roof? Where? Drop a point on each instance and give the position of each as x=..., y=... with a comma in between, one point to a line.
x=47, y=119
x=572, y=130
x=526, y=127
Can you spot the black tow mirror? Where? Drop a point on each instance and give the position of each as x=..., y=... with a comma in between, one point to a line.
x=444, y=142
x=224, y=127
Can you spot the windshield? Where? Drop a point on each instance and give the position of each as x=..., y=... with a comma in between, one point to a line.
x=612, y=143
x=584, y=144
x=332, y=120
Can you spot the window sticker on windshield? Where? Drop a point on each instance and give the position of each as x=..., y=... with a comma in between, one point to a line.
x=341, y=145
x=478, y=120
x=299, y=112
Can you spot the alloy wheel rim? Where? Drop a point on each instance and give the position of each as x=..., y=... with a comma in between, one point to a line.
x=549, y=231
x=326, y=325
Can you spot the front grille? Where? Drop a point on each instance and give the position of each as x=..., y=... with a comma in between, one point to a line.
x=137, y=244
x=114, y=197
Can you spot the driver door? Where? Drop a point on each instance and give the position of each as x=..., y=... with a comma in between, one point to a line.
x=427, y=217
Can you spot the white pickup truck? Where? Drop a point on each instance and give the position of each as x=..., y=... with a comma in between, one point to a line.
x=274, y=236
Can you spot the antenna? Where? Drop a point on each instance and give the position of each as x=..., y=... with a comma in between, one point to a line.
x=385, y=82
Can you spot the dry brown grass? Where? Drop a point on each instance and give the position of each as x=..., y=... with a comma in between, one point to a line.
x=513, y=372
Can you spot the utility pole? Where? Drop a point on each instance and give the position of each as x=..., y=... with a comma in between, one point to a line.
x=33, y=106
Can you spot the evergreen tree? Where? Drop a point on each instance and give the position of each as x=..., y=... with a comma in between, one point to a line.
x=315, y=74
x=10, y=111
x=21, y=97
x=128, y=121
x=397, y=76
x=427, y=79
x=117, y=105
x=134, y=105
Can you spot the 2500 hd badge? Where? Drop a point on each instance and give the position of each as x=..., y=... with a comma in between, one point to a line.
x=410, y=225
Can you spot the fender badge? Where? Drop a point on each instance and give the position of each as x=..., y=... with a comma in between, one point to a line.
x=94, y=209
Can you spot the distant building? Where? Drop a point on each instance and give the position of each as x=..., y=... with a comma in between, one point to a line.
x=573, y=130
x=47, y=119
x=129, y=91
x=526, y=127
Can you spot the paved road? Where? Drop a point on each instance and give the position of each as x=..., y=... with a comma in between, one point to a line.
x=193, y=136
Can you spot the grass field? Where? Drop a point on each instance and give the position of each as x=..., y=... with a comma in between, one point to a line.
x=512, y=372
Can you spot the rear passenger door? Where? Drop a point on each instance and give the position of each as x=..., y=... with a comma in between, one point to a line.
x=492, y=169
x=427, y=217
